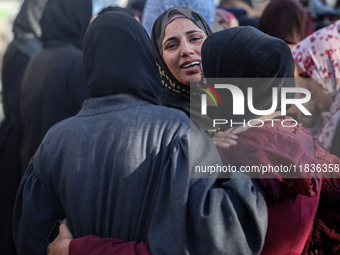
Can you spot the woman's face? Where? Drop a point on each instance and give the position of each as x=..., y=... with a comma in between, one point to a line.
x=182, y=49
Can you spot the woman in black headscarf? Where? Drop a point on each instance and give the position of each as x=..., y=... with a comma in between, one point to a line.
x=25, y=44
x=187, y=50
x=245, y=54
x=246, y=62
x=53, y=86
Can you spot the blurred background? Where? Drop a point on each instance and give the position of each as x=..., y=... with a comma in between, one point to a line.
x=9, y=10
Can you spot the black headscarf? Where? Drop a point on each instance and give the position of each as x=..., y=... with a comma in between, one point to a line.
x=26, y=27
x=246, y=52
x=26, y=23
x=126, y=10
x=175, y=94
x=65, y=21
x=284, y=19
x=118, y=58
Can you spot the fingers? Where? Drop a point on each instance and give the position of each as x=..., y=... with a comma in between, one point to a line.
x=224, y=140
x=60, y=245
x=227, y=131
x=64, y=231
x=235, y=131
x=227, y=138
x=222, y=145
x=240, y=129
x=223, y=135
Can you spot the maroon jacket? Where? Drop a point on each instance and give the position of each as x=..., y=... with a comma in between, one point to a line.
x=98, y=246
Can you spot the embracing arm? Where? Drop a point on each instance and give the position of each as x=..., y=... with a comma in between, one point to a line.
x=64, y=244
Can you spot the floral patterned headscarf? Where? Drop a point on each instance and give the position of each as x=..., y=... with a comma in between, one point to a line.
x=224, y=20
x=319, y=56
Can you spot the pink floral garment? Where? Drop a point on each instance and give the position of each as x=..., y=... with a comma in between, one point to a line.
x=224, y=20
x=319, y=56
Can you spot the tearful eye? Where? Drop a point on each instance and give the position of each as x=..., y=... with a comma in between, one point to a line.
x=171, y=46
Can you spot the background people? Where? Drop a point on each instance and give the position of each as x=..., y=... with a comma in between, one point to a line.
x=154, y=8
x=26, y=42
x=318, y=57
x=245, y=12
x=224, y=20
x=53, y=86
x=285, y=19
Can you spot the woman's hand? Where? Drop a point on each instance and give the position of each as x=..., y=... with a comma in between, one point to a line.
x=60, y=245
x=226, y=139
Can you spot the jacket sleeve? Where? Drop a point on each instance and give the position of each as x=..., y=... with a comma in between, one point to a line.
x=34, y=216
x=205, y=214
x=93, y=245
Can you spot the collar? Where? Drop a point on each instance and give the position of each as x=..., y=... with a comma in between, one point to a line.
x=100, y=105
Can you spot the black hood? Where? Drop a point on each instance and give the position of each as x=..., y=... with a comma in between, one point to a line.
x=118, y=58
x=65, y=21
x=246, y=52
x=26, y=23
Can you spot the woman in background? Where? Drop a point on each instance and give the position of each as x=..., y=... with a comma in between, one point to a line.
x=154, y=8
x=318, y=59
x=53, y=86
x=26, y=43
x=287, y=20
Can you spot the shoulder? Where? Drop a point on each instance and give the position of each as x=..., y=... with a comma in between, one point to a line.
x=170, y=114
x=61, y=128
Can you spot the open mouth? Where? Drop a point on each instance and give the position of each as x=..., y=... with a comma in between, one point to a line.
x=192, y=64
